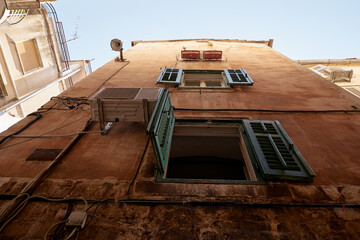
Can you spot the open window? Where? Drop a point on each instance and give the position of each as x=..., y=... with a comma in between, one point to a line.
x=204, y=78
x=247, y=151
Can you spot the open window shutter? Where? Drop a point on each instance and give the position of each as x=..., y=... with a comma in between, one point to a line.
x=170, y=76
x=276, y=154
x=160, y=128
x=238, y=77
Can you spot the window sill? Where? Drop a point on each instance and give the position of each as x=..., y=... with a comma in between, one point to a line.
x=161, y=179
x=28, y=73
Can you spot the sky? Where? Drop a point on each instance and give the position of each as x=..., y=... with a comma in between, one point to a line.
x=302, y=29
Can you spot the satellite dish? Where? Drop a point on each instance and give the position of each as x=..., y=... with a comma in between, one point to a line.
x=116, y=44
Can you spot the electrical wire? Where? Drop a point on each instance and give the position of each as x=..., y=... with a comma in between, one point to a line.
x=106, y=80
x=69, y=102
x=71, y=234
x=16, y=210
x=21, y=206
x=94, y=212
x=137, y=170
x=14, y=205
x=59, y=230
x=47, y=232
x=38, y=116
x=64, y=135
x=44, y=133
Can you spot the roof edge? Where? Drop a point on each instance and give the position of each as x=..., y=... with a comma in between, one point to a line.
x=266, y=42
x=328, y=61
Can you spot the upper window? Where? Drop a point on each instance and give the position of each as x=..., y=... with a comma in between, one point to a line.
x=28, y=54
x=204, y=78
x=247, y=151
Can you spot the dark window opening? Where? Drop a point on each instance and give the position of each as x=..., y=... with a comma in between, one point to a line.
x=237, y=76
x=206, y=158
x=170, y=75
x=209, y=153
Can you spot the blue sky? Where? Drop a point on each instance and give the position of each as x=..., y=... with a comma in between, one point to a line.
x=302, y=29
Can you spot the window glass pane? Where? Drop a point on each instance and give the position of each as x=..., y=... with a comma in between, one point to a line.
x=28, y=55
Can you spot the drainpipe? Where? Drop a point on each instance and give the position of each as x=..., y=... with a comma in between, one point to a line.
x=30, y=95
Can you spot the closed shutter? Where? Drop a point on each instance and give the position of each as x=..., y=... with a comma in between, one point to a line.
x=160, y=128
x=170, y=76
x=276, y=154
x=238, y=77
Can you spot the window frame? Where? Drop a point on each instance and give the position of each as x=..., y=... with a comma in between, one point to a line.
x=226, y=82
x=161, y=128
x=255, y=176
x=37, y=52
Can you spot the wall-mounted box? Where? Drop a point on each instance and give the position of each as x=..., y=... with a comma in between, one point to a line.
x=190, y=54
x=112, y=104
x=212, y=55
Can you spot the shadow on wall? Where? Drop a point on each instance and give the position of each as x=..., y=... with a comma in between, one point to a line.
x=14, y=53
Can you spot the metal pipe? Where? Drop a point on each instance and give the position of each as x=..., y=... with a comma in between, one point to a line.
x=151, y=202
x=329, y=61
x=30, y=95
x=7, y=211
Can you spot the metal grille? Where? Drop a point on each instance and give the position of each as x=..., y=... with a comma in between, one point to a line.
x=122, y=93
x=11, y=17
x=60, y=35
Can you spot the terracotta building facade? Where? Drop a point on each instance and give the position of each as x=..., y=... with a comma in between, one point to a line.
x=187, y=139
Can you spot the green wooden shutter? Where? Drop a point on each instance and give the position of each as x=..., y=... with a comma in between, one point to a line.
x=160, y=128
x=276, y=154
x=238, y=77
x=170, y=76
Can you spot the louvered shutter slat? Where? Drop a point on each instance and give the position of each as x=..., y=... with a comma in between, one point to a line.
x=276, y=154
x=160, y=128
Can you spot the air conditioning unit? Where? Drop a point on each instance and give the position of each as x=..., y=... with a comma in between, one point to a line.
x=113, y=104
x=338, y=73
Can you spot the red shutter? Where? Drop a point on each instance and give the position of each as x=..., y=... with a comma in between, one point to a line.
x=213, y=54
x=190, y=54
